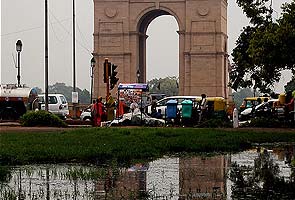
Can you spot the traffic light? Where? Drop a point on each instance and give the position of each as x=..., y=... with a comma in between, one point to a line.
x=113, y=78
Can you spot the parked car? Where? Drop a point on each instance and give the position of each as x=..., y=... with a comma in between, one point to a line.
x=57, y=104
x=86, y=114
x=265, y=109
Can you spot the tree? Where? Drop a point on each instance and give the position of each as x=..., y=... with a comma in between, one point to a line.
x=84, y=96
x=239, y=96
x=168, y=85
x=260, y=54
x=290, y=86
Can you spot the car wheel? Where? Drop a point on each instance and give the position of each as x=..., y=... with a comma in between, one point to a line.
x=87, y=119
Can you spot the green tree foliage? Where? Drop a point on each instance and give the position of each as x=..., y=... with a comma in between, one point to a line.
x=84, y=95
x=168, y=85
x=286, y=35
x=290, y=85
x=239, y=96
x=261, y=181
x=62, y=88
x=260, y=54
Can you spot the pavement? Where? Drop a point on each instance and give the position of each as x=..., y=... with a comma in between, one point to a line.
x=13, y=126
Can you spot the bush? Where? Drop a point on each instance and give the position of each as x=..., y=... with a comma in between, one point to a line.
x=216, y=123
x=265, y=122
x=41, y=118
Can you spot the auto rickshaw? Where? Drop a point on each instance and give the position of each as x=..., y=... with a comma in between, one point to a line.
x=250, y=102
x=216, y=106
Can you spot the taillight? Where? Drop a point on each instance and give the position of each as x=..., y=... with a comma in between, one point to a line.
x=60, y=107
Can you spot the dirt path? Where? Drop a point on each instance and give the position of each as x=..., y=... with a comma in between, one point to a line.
x=15, y=127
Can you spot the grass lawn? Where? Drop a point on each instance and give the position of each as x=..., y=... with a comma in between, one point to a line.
x=97, y=145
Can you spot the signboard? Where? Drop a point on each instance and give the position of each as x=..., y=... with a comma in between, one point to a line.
x=140, y=86
x=75, y=97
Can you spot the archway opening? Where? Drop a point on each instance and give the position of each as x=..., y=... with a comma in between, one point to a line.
x=162, y=48
x=158, y=46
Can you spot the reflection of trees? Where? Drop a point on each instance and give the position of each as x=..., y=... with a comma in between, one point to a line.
x=5, y=191
x=261, y=181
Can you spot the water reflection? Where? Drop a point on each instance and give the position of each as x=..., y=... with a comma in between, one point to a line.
x=246, y=175
x=264, y=178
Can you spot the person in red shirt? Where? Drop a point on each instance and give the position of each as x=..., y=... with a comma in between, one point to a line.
x=98, y=111
x=122, y=107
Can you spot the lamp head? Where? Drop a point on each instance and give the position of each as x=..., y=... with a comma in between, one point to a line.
x=19, y=46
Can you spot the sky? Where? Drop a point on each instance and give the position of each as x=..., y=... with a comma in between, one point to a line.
x=24, y=20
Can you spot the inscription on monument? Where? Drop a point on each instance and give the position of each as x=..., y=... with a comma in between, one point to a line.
x=203, y=40
x=110, y=27
x=203, y=26
x=110, y=41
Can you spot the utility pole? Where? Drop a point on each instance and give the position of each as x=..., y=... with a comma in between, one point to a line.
x=46, y=56
x=106, y=61
x=74, y=59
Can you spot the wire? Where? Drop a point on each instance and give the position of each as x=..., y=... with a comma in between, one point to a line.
x=28, y=29
x=54, y=33
x=70, y=34
x=82, y=35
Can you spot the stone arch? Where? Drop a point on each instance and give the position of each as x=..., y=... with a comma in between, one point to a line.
x=144, y=21
x=119, y=34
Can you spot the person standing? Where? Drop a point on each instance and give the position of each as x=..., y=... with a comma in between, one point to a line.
x=110, y=108
x=99, y=112
x=203, y=107
x=93, y=112
x=121, y=108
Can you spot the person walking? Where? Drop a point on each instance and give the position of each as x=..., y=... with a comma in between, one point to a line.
x=203, y=107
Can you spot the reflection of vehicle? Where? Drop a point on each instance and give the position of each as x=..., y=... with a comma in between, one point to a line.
x=251, y=102
x=86, y=114
x=161, y=104
x=15, y=101
x=57, y=104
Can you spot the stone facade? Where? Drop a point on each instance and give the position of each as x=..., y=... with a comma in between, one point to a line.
x=120, y=35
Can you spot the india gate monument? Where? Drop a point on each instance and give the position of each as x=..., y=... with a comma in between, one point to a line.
x=120, y=35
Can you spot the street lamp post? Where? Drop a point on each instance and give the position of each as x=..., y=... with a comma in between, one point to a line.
x=18, y=49
x=138, y=75
x=91, y=76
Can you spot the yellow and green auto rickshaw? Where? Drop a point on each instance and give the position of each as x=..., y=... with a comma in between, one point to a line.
x=216, y=106
x=250, y=102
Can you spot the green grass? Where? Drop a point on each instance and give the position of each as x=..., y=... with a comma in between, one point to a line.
x=97, y=145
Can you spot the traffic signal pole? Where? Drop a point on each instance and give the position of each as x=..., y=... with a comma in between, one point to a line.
x=106, y=61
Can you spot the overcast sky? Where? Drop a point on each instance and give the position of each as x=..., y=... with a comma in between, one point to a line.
x=24, y=19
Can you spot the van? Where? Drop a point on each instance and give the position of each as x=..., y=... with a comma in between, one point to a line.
x=57, y=104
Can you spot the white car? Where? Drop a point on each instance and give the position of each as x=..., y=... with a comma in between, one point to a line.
x=258, y=110
x=57, y=104
x=86, y=114
x=161, y=104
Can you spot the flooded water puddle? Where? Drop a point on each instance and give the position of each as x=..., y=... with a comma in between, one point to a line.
x=237, y=176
